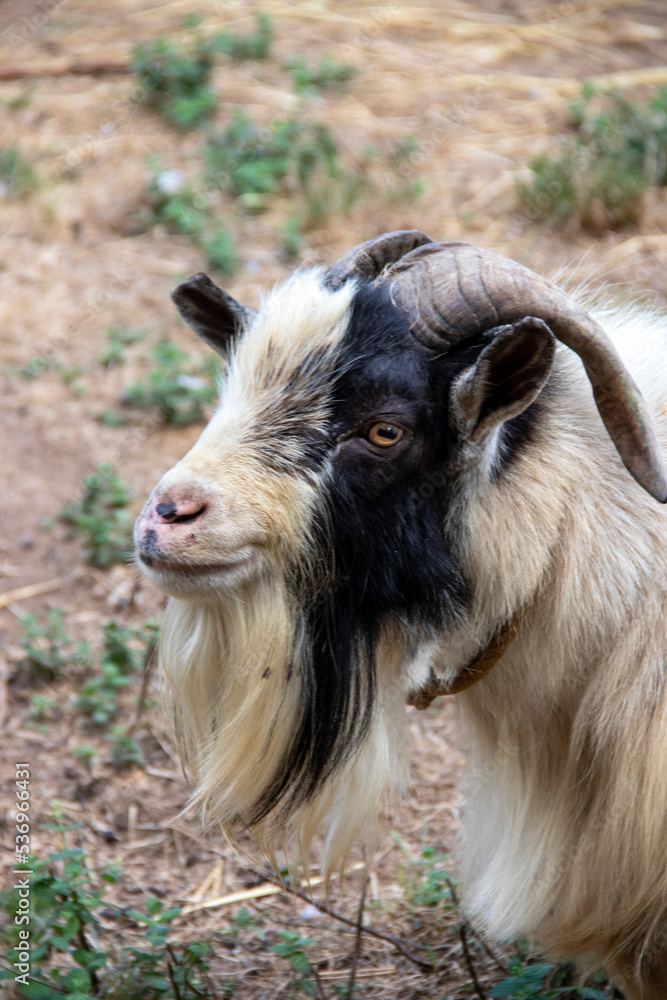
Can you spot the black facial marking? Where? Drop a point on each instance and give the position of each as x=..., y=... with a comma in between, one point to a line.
x=149, y=549
x=381, y=544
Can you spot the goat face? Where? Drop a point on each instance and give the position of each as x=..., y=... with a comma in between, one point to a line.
x=332, y=446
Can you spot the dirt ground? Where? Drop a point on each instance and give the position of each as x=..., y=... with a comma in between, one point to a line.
x=482, y=87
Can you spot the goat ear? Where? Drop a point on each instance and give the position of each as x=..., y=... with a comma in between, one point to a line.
x=213, y=314
x=508, y=376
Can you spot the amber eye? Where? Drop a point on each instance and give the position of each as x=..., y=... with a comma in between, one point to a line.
x=385, y=435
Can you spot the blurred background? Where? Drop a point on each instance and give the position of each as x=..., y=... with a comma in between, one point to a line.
x=142, y=142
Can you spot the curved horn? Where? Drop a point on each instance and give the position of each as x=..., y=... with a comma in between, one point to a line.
x=367, y=260
x=452, y=291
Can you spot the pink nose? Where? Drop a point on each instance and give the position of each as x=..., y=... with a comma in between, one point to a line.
x=157, y=532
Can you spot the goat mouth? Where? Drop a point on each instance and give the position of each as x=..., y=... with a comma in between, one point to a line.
x=169, y=567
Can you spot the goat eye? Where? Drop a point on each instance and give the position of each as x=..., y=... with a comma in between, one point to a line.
x=385, y=435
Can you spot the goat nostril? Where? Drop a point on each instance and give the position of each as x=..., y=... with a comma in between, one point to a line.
x=187, y=518
x=167, y=511
x=172, y=513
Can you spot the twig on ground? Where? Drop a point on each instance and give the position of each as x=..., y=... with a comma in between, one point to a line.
x=320, y=988
x=469, y=962
x=31, y=590
x=69, y=68
x=150, y=659
x=464, y=924
x=174, y=959
x=397, y=942
x=357, y=942
x=487, y=948
x=492, y=955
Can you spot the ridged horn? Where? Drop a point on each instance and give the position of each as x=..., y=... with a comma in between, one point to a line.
x=452, y=291
x=367, y=260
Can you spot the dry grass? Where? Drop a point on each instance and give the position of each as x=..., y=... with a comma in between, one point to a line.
x=483, y=87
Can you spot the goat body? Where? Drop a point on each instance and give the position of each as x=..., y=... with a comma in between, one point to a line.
x=363, y=514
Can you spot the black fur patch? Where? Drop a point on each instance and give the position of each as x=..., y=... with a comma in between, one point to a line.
x=381, y=541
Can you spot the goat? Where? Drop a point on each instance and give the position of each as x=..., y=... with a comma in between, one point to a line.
x=407, y=492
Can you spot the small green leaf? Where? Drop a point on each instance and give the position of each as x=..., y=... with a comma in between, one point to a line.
x=156, y=980
x=299, y=962
x=78, y=980
x=39, y=991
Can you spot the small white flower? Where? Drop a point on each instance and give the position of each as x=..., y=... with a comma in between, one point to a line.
x=170, y=181
x=191, y=382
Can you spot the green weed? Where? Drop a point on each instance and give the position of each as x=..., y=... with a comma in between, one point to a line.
x=118, y=339
x=425, y=879
x=85, y=755
x=41, y=707
x=180, y=209
x=254, y=45
x=328, y=74
x=111, y=418
x=23, y=99
x=178, y=386
x=97, y=699
x=219, y=248
x=34, y=367
x=293, y=948
x=342, y=990
x=403, y=187
x=539, y=982
x=246, y=159
x=245, y=920
x=17, y=177
x=599, y=175
x=100, y=518
x=123, y=652
x=66, y=896
x=292, y=241
x=124, y=750
x=48, y=647
x=291, y=157
x=174, y=77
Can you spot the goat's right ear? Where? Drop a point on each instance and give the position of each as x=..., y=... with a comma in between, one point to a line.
x=507, y=377
x=213, y=314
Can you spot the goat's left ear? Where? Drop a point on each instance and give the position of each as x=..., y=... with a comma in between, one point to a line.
x=213, y=314
x=507, y=377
